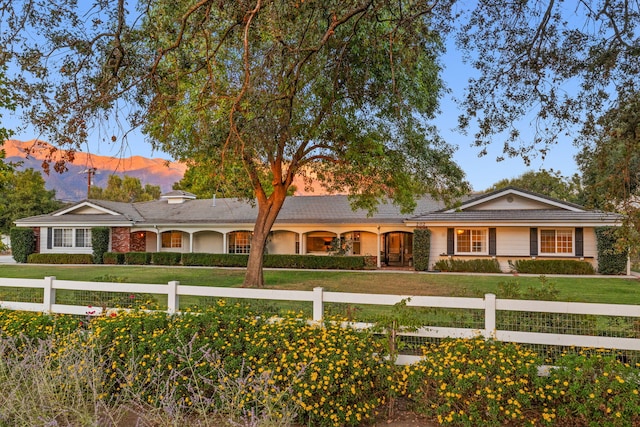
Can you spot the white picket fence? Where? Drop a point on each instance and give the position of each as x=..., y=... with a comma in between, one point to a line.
x=489, y=304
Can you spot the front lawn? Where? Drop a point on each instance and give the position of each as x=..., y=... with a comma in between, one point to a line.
x=605, y=289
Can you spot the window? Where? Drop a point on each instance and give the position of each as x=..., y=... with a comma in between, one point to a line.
x=172, y=239
x=83, y=238
x=469, y=240
x=71, y=237
x=63, y=237
x=319, y=242
x=556, y=241
x=240, y=242
x=356, y=243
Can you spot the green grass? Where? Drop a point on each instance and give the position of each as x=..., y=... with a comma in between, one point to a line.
x=600, y=289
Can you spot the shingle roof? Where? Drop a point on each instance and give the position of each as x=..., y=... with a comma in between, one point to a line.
x=302, y=209
x=525, y=215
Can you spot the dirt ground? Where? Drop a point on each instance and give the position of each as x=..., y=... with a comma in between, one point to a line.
x=402, y=417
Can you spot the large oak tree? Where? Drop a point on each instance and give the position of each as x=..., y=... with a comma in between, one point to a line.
x=341, y=88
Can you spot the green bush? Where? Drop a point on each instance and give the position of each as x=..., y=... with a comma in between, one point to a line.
x=421, y=248
x=137, y=258
x=60, y=259
x=99, y=243
x=469, y=266
x=549, y=266
x=473, y=382
x=611, y=260
x=166, y=258
x=215, y=260
x=333, y=375
x=279, y=261
x=113, y=258
x=23, y=243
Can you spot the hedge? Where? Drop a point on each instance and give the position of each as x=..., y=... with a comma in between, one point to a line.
x=166, y=258
x=100, y=243
x=137, y=258
x=468, y=266
x=548, y=266
x=611, y=260
x=113, y=258
x=421, y=248
x=60, y=259
x=279, y=261
x=23, y=243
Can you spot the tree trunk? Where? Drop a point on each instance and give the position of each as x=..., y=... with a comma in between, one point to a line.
x=268, y=210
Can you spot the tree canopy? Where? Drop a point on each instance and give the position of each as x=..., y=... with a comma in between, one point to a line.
x=125, y=189
x=548, y=182
x=23, y=194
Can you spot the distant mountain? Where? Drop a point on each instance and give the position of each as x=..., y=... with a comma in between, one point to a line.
x=72, y=184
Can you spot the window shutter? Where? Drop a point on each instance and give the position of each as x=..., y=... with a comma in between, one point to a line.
x=533, y=241
x=49, y=238
x=450, y=241
x=579, y=241
x=492, y=241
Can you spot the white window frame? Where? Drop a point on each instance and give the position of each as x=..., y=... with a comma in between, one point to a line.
x=484, y=241
x=175, y=239
x=67, y=237
x=240, y=245
x=569, y=231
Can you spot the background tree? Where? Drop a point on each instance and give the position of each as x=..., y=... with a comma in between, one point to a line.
x=550, y=183
x=23, y=194
x=125, y=189
x=610, y=164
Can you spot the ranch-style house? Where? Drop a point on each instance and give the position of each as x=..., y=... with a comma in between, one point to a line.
x=507, y=224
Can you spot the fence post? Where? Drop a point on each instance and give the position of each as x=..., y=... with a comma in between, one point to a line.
x=318, y=304
x=172, y=297
x=489, y=315
x=49, y=297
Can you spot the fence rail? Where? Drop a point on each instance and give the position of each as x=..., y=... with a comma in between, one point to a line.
x=491, y=310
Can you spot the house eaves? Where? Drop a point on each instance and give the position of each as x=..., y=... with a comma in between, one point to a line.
x=517, y=218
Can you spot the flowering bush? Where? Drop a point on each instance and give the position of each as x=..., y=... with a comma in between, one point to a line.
x=333, y=375
x=468, y=382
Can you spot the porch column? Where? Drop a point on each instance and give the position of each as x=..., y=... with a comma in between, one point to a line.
x=224, y=243
x=300, y=243
x=158, y=240
x=190, y=242
x=378, y=260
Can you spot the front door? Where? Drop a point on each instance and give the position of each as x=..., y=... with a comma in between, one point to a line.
x=398, y=249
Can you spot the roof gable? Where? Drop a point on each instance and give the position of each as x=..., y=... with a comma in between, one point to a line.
x=86, y=208
x=512, y=198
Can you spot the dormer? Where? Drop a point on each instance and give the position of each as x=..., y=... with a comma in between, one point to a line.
x=177, y=196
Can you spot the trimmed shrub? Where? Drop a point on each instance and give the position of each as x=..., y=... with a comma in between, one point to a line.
x=611, y=260
x=468, y=266
x=215, y=260
x=113, y=258
x=166, y=258
x=23, y=243
x=60, y=259
x=100, y=243
x=421, y=248
x=552, y=266
x=137, y=258
x=279, y=261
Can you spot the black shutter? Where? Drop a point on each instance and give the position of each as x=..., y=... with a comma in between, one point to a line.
x=492, y=241
x=579, y=241
x=533, y=241
x=450, y=241
x=49, y=238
